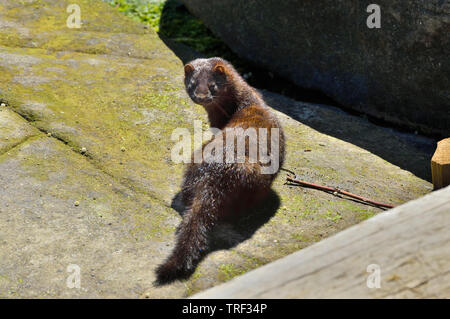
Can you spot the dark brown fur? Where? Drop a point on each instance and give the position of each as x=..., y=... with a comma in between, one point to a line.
x=213, y=192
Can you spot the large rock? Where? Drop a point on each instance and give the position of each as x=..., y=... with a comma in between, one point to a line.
x=399, y=73
x=114, y=88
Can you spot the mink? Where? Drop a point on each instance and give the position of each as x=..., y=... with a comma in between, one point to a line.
x=215, y=191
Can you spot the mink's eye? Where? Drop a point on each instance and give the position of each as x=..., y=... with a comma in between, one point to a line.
x=212, y=88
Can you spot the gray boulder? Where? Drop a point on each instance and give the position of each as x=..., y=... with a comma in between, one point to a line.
x=398, y=72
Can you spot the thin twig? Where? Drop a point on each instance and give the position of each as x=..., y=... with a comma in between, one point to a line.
x=287, y=170
x=336, y=190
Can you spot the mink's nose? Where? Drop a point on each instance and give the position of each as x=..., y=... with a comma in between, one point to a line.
x=202, y=95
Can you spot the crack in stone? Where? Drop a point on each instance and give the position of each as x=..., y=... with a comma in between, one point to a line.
x=89, y=158
x=79, y=51
x=15, y=145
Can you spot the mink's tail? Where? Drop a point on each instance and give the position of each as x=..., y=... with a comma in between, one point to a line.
x=191, y=245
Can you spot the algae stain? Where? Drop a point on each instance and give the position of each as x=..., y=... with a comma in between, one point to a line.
x=333, y=216
x=229, y=271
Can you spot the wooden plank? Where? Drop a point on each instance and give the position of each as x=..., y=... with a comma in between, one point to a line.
x=410, y=244
x=440, y=164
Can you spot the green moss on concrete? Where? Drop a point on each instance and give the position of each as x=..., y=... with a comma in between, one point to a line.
x=333, y=216
x=226, y=272
x=95, y=15
x=251, y=261
x=108, y=117
x=367, y=215
x=192, y=286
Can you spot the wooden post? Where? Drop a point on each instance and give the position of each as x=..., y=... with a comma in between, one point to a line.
x=440, y=164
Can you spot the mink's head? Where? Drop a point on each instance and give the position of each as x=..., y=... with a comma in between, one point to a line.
x=206, y=80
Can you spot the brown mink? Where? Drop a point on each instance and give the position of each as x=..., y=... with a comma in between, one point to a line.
x=217, y=190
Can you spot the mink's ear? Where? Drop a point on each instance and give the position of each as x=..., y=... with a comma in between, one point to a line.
x=219, y=69
x=188, y=68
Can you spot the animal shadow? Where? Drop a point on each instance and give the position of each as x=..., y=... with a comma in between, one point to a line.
x=229, y=234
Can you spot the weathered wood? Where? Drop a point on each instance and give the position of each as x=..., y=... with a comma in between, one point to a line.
x=410, y=244
x=440, y=164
